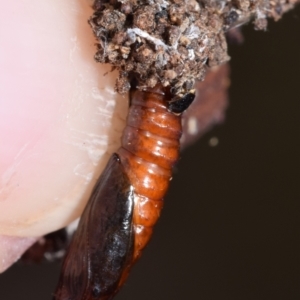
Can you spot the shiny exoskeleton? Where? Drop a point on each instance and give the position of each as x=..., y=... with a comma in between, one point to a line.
x=127, y=199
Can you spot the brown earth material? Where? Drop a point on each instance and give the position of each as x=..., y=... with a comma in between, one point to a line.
x=172, y=42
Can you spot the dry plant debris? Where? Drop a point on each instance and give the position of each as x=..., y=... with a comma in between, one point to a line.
x=208, y=108
x=172, y=42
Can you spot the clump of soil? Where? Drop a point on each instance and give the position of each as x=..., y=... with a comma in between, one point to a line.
x=171, y=42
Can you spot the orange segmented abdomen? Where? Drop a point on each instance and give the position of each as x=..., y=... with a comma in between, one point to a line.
x=150, y=148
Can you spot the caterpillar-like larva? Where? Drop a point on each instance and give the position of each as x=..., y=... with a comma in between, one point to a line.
x=127, y=199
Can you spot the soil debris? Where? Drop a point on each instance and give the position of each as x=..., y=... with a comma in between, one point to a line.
x=172, y=41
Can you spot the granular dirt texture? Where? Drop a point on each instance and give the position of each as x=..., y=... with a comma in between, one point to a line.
x=172, y=42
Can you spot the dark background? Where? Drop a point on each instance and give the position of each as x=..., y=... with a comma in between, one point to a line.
x=230, y=226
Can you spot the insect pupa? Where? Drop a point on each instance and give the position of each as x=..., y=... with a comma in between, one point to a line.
x=165, y=58
x=118, y=220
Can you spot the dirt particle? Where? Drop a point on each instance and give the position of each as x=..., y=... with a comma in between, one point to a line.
x=172, y=41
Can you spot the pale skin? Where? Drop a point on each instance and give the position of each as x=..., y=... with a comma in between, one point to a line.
x=60, y=119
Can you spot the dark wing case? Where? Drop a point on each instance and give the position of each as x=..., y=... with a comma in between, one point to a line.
x=102, y=246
